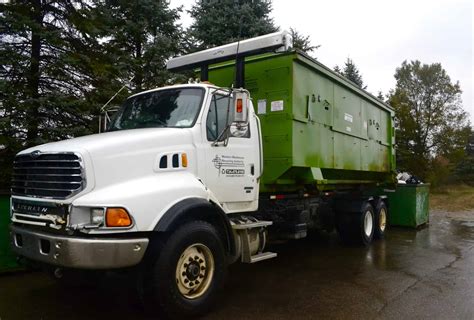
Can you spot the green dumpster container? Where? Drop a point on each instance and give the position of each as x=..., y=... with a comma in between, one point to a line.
x=409, y=205
x=7, y=258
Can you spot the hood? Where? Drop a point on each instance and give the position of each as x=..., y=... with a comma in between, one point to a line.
x=117, y=156
x=116, y=140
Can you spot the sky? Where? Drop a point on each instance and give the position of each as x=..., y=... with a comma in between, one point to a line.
x=378, y=35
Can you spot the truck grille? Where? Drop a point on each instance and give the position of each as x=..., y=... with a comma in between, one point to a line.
x=47, y=175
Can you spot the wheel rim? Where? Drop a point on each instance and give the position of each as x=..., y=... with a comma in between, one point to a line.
x=382, y=219
x=194, y=271
x=368, y=223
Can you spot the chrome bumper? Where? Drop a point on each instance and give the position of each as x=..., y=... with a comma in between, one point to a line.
x=81, y=253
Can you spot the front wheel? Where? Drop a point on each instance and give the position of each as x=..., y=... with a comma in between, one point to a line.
x=188, y=272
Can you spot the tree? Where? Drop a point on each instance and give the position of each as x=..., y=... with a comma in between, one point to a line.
x=470, y=143
x=63, y=59
x=45, y=54
x=380, y=96
x=430, y=120
x=140, y=37
x=302, y=42
x=350, y=72
x=224, y=21
x=464, y=170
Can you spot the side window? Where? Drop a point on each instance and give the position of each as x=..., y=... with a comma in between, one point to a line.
x=217, y=116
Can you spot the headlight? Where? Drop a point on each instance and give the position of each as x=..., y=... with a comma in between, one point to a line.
x=97, y=216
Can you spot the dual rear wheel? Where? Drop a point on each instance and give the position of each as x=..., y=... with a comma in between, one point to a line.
x=381, y=219
x=363, y=226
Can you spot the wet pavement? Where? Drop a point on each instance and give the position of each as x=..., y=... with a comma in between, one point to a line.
x=425, y=274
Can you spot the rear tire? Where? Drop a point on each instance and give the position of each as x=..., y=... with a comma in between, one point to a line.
x=381, y=220
x=357, y=227
x=188, y=272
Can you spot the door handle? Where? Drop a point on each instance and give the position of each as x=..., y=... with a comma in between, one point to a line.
x=252, y=169
x=308, y=112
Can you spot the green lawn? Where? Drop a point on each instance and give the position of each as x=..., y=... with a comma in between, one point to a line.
x=453, y=198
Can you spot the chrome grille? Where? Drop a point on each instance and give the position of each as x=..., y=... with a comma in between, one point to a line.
x=47, y=175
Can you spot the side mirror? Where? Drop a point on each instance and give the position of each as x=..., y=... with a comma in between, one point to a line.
x=241, y=105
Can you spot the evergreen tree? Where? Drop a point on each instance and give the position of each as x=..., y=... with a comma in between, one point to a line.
x=63, y=59
x=139, y=37
x=302, y=42
x=217, y=22
x=351, y=72
x=380, y=96
x=430, y=121
x=43, y=77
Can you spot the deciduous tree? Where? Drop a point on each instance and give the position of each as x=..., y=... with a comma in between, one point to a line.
x=430, y=120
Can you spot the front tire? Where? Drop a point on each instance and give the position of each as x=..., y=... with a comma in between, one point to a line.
x=188, y=273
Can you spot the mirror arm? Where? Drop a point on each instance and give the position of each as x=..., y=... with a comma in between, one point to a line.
x=102, y=109
x=216, y=142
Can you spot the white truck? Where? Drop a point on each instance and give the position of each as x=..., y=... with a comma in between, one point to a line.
x=171, y=189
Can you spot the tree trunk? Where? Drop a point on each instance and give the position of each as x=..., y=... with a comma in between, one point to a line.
x=138, y=71
x=33, y=77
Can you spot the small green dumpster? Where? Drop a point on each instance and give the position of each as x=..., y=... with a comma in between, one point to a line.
x=409, y=205
x=7, y=258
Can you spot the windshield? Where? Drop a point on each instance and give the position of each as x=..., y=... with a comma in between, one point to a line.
x=176, y=108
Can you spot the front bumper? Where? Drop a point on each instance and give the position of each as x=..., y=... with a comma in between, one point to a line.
x=74, y=252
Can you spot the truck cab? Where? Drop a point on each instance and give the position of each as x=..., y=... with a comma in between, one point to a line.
x=170, y=156
x=178, y=142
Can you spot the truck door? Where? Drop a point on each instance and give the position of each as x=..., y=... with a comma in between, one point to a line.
x=233, y=164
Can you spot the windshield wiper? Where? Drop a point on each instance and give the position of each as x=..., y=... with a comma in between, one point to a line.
x=156, y=123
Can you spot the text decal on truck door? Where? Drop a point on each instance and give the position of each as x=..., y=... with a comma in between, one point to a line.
x=230, y=166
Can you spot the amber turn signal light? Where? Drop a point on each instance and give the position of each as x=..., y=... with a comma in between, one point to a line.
x=117, y=217
x=184, y=160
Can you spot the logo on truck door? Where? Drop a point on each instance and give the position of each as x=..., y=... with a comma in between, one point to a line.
x=229, y=166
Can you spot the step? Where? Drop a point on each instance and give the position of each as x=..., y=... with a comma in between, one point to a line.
x=251, y=225
x=262, y=256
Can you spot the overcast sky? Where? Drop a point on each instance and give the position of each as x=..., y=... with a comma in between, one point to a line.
x=379, y=35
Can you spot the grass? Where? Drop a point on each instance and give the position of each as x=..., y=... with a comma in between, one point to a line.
x=452, y=198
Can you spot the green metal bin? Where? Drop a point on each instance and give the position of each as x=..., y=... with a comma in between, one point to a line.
x=409, y=205
x=317, y=128
x=7, y=258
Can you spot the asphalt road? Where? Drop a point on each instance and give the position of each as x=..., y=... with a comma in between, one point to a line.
x=425, y=274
